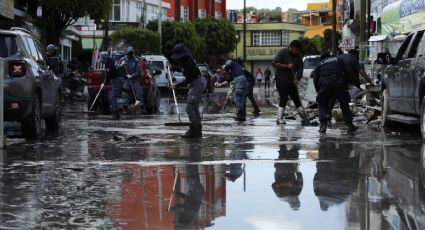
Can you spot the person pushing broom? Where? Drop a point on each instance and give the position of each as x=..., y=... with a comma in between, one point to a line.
x=182, y=59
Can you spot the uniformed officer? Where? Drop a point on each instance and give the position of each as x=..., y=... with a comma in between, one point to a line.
x=182, y=57
x=238, y=79
x=116, y=78
x=132, y=83
x=330, y=82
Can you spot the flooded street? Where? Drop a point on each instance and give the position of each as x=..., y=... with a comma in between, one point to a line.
x=137, y=173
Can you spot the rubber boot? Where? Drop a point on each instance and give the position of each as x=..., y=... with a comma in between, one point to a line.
x=323, y=126
x=195, y=131
x=351, y=126
x=280, y=120
x=240, y=115
x=115, y=115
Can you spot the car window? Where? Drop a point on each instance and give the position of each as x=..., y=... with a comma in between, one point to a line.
x=311, y=63
x=42, y=55
x=33, y=50
x=157, y=65
x=203, y=68
x=402, y=51
x=8, y=45
x=415, y=43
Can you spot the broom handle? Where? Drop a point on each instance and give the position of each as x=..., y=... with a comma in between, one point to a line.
x=174, y=93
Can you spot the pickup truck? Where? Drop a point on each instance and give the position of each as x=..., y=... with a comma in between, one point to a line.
x=151, y=93
x=403, y=83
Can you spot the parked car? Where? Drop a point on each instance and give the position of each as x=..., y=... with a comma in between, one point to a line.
x=151, y=93
x=32, y=92
x=179, y=77
x=206, y=73
x=403, y=83
x=159, y=62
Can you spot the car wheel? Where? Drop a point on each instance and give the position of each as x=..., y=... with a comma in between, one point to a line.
x=385, y=108
x=32, y=126
x=53, y=123
x=422, y=118
x=149, y=100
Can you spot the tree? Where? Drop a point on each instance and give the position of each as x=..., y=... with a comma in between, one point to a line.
x=174, y=33
x=58, y=15
x=218, y=37
x=143, y=40
x=327, y=35
x=308, y=47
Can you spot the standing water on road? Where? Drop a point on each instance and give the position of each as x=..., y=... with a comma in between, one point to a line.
x=137, y=173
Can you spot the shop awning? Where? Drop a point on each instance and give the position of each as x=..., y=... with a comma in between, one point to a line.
x=87, y=43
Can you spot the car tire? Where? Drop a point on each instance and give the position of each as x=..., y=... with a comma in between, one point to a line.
x=385, y=108
x=422, y=118
x=53, y=123
x=32, y=126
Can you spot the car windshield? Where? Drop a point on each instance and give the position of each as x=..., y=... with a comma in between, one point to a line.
x=8, y=45
x=202, y=68
x=159, y=65
x=311, y=63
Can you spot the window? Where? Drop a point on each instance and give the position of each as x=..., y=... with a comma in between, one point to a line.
x=266, y=38
x=185, y=13
x=285, y=37
x=202, y=13
x=138, y=5
x=218, y=15
x=116, y=11
x=33, y=50
x=414, y=46
x=159, y=65
x=8, y=44
x=402, y=52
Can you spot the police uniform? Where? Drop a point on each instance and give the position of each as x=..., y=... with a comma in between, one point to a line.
x=241, y=87
x=182, y=55
x=132, y=80
x=330, y=82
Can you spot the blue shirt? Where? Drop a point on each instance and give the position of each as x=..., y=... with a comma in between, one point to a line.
x=234, y=68
x=132, y=66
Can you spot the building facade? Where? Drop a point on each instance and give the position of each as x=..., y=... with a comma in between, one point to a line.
x=318, y=18
x=189, y=10
x=263, y=40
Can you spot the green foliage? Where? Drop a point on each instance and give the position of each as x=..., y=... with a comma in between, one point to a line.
x=57, y=15
x=144, y=41
x=219, y=36
x=152, y=25
x=327, y=34
x=308, y=47
x=265, y=15
x=174, y=33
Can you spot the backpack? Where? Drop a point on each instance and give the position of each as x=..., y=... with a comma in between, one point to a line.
x=249, y=76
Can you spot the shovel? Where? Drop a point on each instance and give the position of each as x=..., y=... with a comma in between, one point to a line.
x=180, y=123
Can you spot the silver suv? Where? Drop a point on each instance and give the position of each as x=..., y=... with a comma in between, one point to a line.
x=32, y=92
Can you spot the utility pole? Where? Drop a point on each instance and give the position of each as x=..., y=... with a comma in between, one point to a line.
x=334, y=22
x=160, y=26
x=362, y=42
x=244, y=31
x=142, y=14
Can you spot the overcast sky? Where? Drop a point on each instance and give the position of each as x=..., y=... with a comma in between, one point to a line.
x=270, y=4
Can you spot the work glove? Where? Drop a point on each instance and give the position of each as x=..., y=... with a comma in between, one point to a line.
x=129, y=76
x=102, y=85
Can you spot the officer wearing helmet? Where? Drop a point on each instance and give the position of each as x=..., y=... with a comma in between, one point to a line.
x=330, y=82
x=182, y=58
x=131, y=71
x=116, y=78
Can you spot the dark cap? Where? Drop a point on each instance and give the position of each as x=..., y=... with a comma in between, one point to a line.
x=179, y=51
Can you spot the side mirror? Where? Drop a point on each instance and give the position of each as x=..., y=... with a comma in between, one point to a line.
x=385, y=58
x=156, y=72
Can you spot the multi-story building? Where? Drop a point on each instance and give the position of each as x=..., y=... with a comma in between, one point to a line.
x=318, y=18
x=263, y=40
x=188, y=10
x=139, y=11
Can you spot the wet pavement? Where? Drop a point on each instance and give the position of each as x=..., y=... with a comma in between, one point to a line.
x=102, y=174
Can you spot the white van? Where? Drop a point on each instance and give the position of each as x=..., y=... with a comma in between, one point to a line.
x=159, y=62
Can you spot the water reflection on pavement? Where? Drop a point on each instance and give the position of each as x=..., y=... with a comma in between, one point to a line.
x=138, y=174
